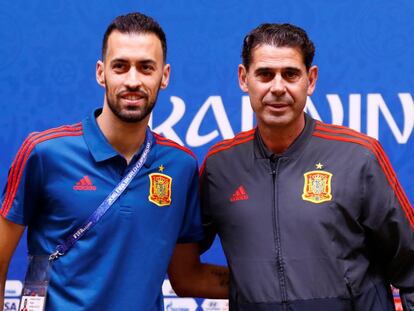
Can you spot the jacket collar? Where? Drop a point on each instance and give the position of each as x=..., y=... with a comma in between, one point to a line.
x=294, y=150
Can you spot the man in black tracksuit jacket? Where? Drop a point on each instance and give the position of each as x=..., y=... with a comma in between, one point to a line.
x=311, y=216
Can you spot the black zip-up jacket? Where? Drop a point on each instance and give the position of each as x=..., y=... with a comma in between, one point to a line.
x=323, y=226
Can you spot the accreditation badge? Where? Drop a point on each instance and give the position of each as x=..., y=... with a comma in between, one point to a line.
x=35, y=284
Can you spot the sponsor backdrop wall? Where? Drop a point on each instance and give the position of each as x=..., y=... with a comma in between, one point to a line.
x=365, y=50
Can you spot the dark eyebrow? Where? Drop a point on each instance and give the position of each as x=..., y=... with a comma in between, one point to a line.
x=292, y=69
x=262, y=69
x=267, y=69
x=148, y=62
x=118, y=60
x=144, y=61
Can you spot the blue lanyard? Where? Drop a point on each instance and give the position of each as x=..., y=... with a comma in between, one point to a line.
x=62, y=249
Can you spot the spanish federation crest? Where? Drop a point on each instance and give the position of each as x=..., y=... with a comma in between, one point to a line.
x=317, y=187
x=160, y=189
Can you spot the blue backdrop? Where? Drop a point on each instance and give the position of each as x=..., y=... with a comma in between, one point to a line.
x=364, y=50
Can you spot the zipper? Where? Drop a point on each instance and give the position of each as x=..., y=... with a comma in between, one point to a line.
x=350, y=292
x=274, y=164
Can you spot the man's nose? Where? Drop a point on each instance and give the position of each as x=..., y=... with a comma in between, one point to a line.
x=133, y=78
x=278, y=85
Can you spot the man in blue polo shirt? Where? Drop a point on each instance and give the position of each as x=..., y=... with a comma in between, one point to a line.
x=60, y=176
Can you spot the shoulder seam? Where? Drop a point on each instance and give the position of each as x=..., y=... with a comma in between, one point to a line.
x=341, y=130
x=342, y=133
x=230, y=141
x=221, y=147
x=168, y=142
x=374, y=146
x=228, y=144
x=23, y=154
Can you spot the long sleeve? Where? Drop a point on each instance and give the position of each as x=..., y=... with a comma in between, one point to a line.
x=388, y=218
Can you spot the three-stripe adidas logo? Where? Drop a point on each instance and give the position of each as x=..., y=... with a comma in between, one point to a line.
x=84, y=184
x=239, y=195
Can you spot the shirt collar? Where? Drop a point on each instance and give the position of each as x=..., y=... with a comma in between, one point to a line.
x=294, y=150
x=99, y=146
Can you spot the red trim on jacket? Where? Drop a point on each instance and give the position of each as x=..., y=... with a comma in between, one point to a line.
x=228, y=143
x=231, y=141
x=374, y=146
x=161, y=140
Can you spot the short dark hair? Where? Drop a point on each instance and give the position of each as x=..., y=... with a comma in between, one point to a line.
x=135, y=23
x=281, y=35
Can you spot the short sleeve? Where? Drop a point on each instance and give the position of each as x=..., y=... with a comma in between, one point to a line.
x=210, y=229
x=191, y=230
x=21, y=194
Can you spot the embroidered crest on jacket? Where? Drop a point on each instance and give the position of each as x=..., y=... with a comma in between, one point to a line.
x=317, y=187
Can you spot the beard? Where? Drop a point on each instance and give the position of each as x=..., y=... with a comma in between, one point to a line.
x=131, y=114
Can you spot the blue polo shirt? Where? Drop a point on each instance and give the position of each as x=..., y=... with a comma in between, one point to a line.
x=57, y=180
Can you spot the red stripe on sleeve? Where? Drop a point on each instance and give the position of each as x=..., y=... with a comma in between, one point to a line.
x=23, y=155
x=375, y=147
x=16, y=166
x=231, y=141
x=168, y=142
x=222, y=147
x=382, y=159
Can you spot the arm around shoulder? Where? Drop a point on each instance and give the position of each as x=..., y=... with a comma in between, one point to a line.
x=191, y=278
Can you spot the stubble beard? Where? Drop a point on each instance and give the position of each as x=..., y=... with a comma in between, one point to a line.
x=130, y=115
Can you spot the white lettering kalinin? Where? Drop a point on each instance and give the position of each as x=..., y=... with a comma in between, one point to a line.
x=400, y=119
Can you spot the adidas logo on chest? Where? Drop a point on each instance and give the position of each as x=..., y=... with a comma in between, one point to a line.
x=239, y=195
x=84, y=184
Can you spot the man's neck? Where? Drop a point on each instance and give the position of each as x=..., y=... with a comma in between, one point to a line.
x=279, y=139
x=126, y=138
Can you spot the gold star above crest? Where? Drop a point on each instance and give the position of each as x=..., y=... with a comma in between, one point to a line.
x=161, y=168
x=319, y=166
